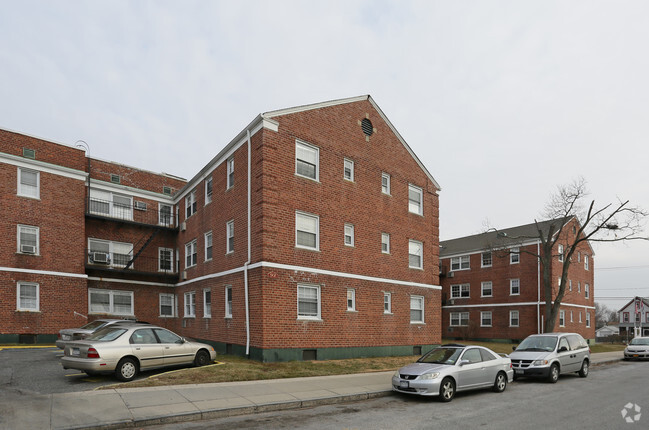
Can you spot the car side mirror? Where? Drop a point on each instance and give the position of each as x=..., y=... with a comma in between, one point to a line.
x=513, y=348
x=563, y=349
x=463, y=362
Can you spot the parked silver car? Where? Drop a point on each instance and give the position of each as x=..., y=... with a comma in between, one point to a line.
x=451, y=368
x=125, y=349
x=550, y=355
x=69, y=334
x=638, y=348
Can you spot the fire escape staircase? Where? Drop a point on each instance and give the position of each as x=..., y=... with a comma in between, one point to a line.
x=137, y=254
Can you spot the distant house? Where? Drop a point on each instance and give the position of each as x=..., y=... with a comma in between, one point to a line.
x=492, y=289
x=634, y=316
x=606, y=331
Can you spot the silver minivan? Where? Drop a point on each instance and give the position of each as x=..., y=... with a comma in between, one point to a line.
x=550, y=354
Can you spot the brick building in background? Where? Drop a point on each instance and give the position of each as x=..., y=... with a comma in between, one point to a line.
x=312, y=234
x=491, y=285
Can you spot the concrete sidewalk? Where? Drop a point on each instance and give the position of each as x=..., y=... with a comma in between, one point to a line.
x=136, y=407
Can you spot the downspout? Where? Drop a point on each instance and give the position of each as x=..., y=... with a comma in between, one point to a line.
x=538, y=281
x=245, y=266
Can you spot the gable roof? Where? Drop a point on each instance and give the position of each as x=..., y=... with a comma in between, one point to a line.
x=645, y=300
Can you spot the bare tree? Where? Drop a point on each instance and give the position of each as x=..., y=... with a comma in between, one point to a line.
x=571, y=222
x=602, y=314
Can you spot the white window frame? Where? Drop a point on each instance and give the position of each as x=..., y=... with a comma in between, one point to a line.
x=21, y=305
x=483, y=316
x=484, y=284
x=459, y=317
x=587, y=319
x=173, y=305
x=228, y=301
x=515, y=255
x=560, y=252
x=28, y=229
x=308, y=316
x=351, y=300
x=463, y=262
x=488, y=256
x=569, y=284
x=562, y=318
x=112, y=251
x=111, y=302
x=387, y=303
x=511, y=318
x=385, y=243
x=316, y=218
x=413, y=206
x=162, y=220
x=516, y=281
x=230, y=173
x=580, y=317
x=207, y=305
x=191, y=254
x=586, y=263
x=30, y=191
x=229, y=236
x=419, y=303
x=209, y=190
x=189, y=302
x=458, y=291
x=208, y=245
x=122, y=211
x=587, y=291
x=385, y=183
x=348, y=166
x=415, y=243
x=190, y=204
x=579, y=286
x=571, y=317
x=349, y=235
x=170, y=260
x=312, y=149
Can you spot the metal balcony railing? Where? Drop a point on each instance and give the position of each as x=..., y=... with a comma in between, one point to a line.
x=113, y=261
x=138, y=212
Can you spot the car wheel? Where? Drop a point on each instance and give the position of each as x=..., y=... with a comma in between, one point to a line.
x=447, y=390
x=553, y=377
x=501, y=383
x=583, y=372
x=202, y=358
x=126, y=369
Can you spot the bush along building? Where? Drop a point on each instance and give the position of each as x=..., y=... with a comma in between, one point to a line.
x=492, y=288
x=312, y=235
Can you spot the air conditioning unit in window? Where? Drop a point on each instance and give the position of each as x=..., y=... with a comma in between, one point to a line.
x=450, y=274
x=184, y=275
x=100, y=257
x=451, y=302
x=28, y=249
x=140, y=206
x=183, y=226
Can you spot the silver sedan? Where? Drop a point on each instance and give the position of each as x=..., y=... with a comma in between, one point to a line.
x=451, y=368
x=127, y=349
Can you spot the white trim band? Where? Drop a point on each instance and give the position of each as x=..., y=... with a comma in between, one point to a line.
x=43, y=272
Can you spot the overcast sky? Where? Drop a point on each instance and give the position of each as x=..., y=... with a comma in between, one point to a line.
x=502, y=100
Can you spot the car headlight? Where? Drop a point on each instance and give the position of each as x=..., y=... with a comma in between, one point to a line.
x=429, y=375
x=396, y=374
x=539, y=362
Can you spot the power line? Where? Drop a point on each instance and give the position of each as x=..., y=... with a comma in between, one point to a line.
x=642, y=266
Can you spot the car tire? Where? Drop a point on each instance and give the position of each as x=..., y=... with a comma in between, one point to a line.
x=202, y=358
x=126, y=369
x=553, y=377
x=583, y=372
x=501, y=382
x=447, y=389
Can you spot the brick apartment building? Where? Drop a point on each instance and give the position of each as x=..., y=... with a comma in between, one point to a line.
x=312, y=235
x=491, y=285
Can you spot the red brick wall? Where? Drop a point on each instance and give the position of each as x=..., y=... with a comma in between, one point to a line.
x=133, y=177
x=48, y=152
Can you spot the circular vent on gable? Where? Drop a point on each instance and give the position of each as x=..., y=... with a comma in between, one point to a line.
x=366, y=125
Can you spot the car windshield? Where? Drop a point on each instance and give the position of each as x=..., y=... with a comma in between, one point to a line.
x=107, y=334
x=640, y=341
x=442, y=355
x=538, y=343
x=93, y=325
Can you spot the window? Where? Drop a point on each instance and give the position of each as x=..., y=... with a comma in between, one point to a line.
x=562, y=318
x=415, y=200
x=115, y=179
x=168, y=305
x=487, y=289
x=166, y=190
x=385, y=243
x=459, y=319
x=191, y=255
x=559, y=281
x=28, y=183
x=587, y=319
x=416, y=309
x=27, y=297
x=28, y=240
x=579, y=316
x=229, y=228
x=308, y=302
x=486, y=259
x=514, y=256
x=348, y=170
x=569, y=284
x=514, y=287
x=387, y=304
x=190, y=304
x=165, y=259
x=111, y=204
x=625, y=317
x=230, y=173
x=208, y=190
x=585, y=262
x=385, y=183
x=307, y=231
x=307, y=160
x=579, y=256
x=460, y=291
x=349, y=234
x=207, y=303
x=571, y=320
x=351, y=299
x=116, y=254
x=485, y=319
x=647, y=317
x=460, y=263
x=579, y=286
x=29, y=153
x=513, y=318
x=165, y=215
x=587, y=290
x=560, y=249
x=208, y=246
x=415, y=254
x=228, y=302
x=110, y=302
x=190, y=204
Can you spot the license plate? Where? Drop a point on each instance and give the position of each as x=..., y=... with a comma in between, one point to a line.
x=74, y=351
x=636, y=355
x=404, y=384
x=519, y=372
